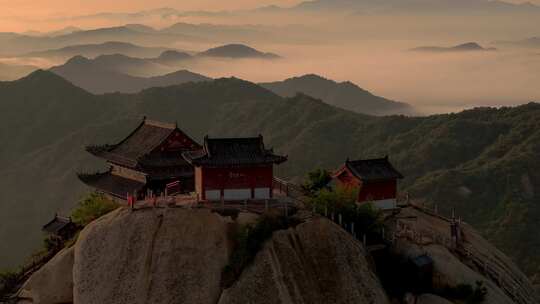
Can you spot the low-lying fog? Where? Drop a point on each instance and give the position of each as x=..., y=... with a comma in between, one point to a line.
x=433, y=83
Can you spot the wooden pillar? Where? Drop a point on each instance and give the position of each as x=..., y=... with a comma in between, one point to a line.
x=272, y=187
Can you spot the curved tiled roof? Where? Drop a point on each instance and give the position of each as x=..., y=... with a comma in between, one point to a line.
x=143, y=140
x=373, y=169
x=233, y=152
x=57, y=224
x=135, y=150
x=111, y=184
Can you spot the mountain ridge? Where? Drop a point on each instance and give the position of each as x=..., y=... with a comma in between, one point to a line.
x=236, y=51
x=416, y=7
x=102, y=78
x=345, y=95
x=95, y=50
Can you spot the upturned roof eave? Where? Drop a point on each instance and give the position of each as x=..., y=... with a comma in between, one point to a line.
x=355, y=173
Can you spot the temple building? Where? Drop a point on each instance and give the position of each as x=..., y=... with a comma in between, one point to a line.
x=148, y=159
x=375, y=179
x=232, y=169
x=61, y=228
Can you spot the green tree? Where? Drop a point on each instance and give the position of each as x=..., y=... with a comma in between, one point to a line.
x=8, y=281
x=92, y=207
x=343, y=200
x=317, y=180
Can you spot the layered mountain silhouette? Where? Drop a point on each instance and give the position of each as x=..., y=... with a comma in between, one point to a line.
x=122, y=64
x=345, y=95
x=237, y=51
x=417, y=7
x=221, y=32
x=94, y=50
x=477, y=160
x=11, y=43
x=116, y=53
x=166, y=62
x=172, y=57
x=465, y=47
x=104, y=75
x=64, y=31
x=107, y=74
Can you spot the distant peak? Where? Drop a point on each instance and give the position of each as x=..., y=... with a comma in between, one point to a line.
x=78, y=60
x=43, y=76
x=234, y=46
x=312, y=76
x=469, y=45
x=173, y=54
x=237, y=50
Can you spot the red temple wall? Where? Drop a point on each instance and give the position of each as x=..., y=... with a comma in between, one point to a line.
x=236, y=178
x=367, y=191
x=374, y=191
x=233, y=178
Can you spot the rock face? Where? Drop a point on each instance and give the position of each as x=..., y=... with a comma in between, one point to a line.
x=53, y=283
x=431, y=299
x=177, y=256
x=449, y=271
x=317, y=262
x=151, y=256
x=453, y=268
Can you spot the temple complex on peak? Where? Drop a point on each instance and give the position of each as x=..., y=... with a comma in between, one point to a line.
x=158, y=158
x=148, y=159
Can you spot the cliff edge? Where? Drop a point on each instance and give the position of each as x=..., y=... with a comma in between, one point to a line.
x=177, y=256
x=173, y=255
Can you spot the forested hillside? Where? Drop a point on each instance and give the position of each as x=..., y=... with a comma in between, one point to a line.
x=484, y=162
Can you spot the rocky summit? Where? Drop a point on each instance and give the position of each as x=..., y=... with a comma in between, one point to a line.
x=174, y=255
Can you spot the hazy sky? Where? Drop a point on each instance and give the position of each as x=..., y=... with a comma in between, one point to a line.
x=22, y=15
x=79, y=7
x=82, y=7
